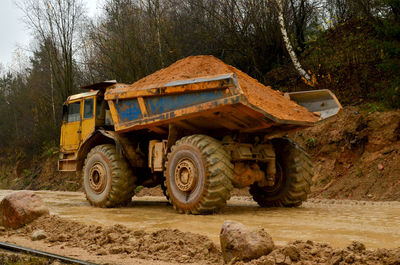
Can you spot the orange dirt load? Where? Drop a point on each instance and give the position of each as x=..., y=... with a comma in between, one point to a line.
x=261, y=96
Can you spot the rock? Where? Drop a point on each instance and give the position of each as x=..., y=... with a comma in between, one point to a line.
x=116, y=250
x=267, y=260
x=281, y=259
x=113, y=237
x=20, y=208
x=336, y=260
x=309, y=242
x=139, y=233
x=349, y=259
x=380, y=167
x=120, y=250
x=393, y=260
x=356, y=246
x=292, y=252
x=239, y=243
x=314, y=251
x=101, y=252
x=328, y=148
x=38, y=235
x=62, y=238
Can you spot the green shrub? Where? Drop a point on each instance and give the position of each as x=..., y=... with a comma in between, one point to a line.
x=311, y=143
x=138, y=189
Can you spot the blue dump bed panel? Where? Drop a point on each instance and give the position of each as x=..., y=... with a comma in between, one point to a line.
x=129, y=109
x=209, y=103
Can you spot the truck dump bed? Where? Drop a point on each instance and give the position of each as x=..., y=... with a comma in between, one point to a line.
x=186, y=94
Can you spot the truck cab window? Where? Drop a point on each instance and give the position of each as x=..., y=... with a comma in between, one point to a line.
x=88, y=109
x=74, y=112
x=100, y=108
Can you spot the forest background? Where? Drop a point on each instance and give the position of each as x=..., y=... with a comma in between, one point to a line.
x=349, y=46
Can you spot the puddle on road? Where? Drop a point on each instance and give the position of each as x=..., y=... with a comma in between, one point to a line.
x=376, y=224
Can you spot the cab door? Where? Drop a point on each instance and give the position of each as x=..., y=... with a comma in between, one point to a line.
x=88, y=121
x=71, y=126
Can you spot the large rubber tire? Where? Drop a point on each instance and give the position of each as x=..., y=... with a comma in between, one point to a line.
x=107, y=177
x=294, y=177
x=211, y=167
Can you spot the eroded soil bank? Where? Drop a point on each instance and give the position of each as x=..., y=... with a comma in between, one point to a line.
x=356, y=155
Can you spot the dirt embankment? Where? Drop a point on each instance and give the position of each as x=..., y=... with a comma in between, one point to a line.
x=356, y=155
x=119, y=245
x=39, y=173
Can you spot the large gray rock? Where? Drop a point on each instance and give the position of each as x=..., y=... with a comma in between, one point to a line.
x=240, y=243
x=20, y=208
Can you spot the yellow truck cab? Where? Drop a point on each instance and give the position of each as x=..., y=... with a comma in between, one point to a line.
x=82, y=114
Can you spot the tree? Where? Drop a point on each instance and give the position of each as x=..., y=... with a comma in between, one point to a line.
x=46, y=115
x=296, y=63
x=56, y=22
x=118, y=43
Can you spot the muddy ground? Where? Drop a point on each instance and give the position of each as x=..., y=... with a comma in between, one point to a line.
x=149, y=231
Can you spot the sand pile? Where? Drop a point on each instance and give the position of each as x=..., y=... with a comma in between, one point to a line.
x=176, y=247
x=264, y=97
x=164, y=245
x=309, y=252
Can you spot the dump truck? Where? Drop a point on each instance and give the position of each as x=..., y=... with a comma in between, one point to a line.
x=198, y=138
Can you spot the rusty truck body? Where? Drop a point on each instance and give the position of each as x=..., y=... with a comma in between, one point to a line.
x=197, y=138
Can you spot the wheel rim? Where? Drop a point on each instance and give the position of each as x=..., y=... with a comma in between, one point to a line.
x=186, y=175
x=186, y=178
x=98, y=177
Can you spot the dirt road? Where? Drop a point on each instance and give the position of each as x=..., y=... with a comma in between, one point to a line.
x=376, y=224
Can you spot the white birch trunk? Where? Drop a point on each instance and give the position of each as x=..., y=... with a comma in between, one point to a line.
x=289, y=47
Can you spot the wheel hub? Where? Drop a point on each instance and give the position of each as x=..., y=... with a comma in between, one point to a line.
x=277, y=182
x=97, y=178
x=185, y=175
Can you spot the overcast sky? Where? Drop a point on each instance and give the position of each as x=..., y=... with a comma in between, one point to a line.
x=13, y=32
